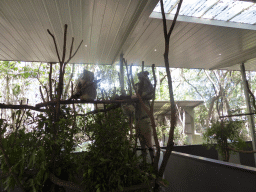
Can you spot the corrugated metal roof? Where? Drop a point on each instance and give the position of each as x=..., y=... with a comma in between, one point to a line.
x=224, y=10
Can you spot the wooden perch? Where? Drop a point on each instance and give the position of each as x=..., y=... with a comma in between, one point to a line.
x=63, y=183
x=100, y=110
x=86, y=101
x=241, y=151
x=4, y=106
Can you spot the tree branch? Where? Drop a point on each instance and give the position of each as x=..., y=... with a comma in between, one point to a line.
x=214, y=85
x=193, y=87
x=50, y=81
x=4, y=106
x=238, y=115
x=75, y=52
x=167, y=67
x=56, y=48
x=128, y=76
x=87, y=101
x=64, y=44
x=241, y=151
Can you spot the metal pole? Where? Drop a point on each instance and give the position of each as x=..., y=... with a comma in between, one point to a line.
x=249, y=110
x=122, y=74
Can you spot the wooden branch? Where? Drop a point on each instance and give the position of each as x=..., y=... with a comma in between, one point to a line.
x=215, y=87
x=4, y=106
x=250, y=92
x=128, y=76
x=167, y=67
x=47, y=94
x=87, y=101
x=238, y=115
x=63, y=183
x=101, y=110
x=153, y=124
x=75, y=52
x=64, y=44
x=72, y=90
x=69, y=80
x=140, y=186
x=154, y=93
x=193, y=87
x=175, y=19
x=241, y=151
x=56, y=48
x=50, y=81
x=71, y=48
x=164, y=19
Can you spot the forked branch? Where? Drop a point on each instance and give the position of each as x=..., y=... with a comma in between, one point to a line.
x=167, y=67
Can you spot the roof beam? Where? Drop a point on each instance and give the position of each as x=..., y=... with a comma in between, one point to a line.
x=188, y=19
x=145, y=8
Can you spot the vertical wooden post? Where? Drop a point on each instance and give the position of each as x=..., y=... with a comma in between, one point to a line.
x=122, y=74
x=142, y=66
x=249, y=109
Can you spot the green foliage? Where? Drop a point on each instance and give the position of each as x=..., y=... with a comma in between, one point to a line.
x=33, y=150
x=180, y=138
x=23, y=154
x=225, y=134
x=110, y=164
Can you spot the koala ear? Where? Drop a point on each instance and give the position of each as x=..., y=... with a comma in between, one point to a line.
x=146, y=73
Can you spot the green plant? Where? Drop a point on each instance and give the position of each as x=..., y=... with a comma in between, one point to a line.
x=180, y=138
x=21, y=153
x=29, y=154
x=225, y=135
x=110, y=164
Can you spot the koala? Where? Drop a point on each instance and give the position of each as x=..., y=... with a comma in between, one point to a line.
x=144, y=86
x=85, y=86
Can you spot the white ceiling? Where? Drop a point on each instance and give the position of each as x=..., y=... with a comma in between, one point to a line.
x=111, y=27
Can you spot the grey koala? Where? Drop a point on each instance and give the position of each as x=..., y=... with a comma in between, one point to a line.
x=85, y=86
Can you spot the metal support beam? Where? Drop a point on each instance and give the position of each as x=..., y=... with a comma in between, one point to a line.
x=122, y=74
x=249, y=110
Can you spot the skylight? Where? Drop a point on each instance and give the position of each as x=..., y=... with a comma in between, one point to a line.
x=222, y=10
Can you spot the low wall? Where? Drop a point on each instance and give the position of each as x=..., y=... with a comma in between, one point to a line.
x=199, y=150
x=188, y=173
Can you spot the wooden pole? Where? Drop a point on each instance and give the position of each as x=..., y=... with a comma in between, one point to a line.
x=122, y=74
x=249, y=109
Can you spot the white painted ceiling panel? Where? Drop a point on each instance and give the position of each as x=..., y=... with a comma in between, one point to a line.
x=111, y=27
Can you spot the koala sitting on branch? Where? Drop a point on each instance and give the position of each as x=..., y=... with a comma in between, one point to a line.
x=85, y=86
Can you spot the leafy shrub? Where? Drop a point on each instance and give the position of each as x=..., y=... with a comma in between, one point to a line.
x=110, y=164
x=225, y=134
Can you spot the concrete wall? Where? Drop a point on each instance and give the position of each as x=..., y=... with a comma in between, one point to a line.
x=199, y=150
x=188, y=173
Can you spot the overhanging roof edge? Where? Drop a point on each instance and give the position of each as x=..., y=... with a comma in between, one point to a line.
x=219, y=23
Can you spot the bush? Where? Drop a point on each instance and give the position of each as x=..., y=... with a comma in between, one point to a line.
x=225, y=134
